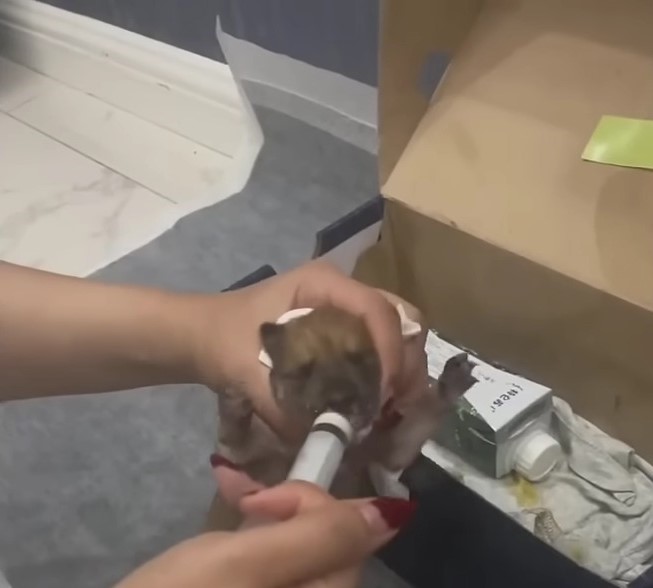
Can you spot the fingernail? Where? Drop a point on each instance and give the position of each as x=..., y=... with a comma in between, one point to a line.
x=395, y=511
x=218, y=460
x=386, y=514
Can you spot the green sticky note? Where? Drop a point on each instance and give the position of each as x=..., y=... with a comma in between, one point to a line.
x=627, y=142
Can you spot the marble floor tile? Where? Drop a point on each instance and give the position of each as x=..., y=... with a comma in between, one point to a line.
x=170, y=165
x=62, y=211
x=19, y=85
x=83, y=183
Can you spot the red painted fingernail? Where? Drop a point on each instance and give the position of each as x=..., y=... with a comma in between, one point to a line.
x=396, y=512
x=218, y=460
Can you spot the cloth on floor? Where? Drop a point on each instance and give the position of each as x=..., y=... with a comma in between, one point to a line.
x=596, y=507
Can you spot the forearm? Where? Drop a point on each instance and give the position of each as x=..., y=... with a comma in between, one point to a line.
x=61, y=335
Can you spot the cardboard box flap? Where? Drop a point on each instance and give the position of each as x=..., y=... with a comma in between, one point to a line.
x=418, y=38
x=498, y=153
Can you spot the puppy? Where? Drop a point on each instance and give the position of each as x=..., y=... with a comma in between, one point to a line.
x=326, y=360
x=323, y=361
x=394, y=448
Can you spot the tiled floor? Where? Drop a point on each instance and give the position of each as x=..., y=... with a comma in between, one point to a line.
x=82, y=182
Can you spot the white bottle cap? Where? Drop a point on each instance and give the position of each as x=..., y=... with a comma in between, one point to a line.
x=537, y=455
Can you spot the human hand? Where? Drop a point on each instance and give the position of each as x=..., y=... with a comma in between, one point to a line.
x=319, y=541
x=231, y=343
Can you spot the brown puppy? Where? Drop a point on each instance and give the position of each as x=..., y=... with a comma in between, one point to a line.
x=325, y=360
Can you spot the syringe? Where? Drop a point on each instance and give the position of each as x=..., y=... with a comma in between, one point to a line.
x=320, y=456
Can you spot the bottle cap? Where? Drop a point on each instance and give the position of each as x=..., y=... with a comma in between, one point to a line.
x=537, y=455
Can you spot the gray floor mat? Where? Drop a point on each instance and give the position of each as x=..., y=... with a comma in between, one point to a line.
x=90, y=487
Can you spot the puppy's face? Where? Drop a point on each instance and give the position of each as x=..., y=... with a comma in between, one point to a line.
x=324, y=361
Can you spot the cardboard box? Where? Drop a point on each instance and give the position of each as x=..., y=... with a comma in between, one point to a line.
x=493, y=225
x=497, y=229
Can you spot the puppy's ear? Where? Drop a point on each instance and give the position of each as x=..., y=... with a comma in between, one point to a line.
x=273, y=340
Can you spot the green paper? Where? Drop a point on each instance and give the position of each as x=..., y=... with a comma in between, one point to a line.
x=627, y=142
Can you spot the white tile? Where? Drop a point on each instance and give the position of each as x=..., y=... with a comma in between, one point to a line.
x=166, y=163
x=190, y=95
x=63, y=212
x=19, y=85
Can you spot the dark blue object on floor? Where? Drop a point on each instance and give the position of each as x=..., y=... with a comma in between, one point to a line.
x=262, y=273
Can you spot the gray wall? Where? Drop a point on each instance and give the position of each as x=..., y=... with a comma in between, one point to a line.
x=188, y=24
x=338, y=35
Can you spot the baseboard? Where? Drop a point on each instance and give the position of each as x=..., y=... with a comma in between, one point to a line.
x=188, y=94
